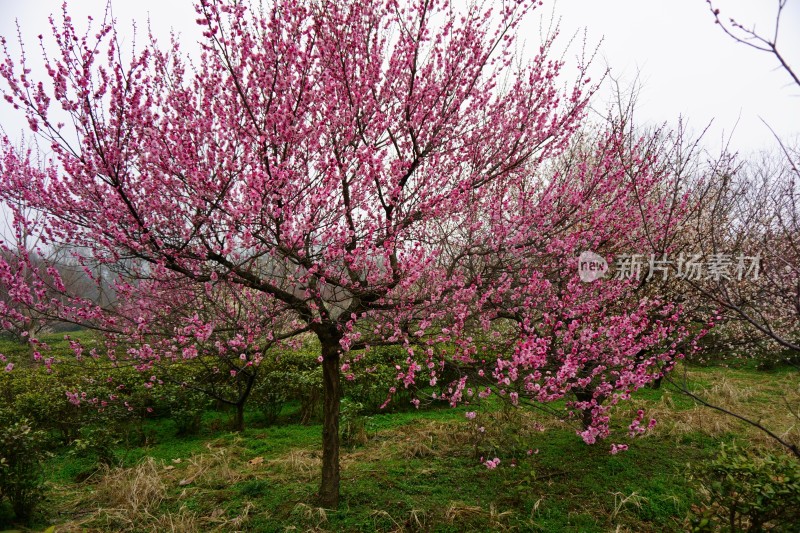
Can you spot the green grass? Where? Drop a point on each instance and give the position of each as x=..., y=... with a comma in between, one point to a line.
x=414, y=475
x=418, y=470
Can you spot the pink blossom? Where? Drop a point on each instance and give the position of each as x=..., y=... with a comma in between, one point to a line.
x=491, y=464
x=616, y=448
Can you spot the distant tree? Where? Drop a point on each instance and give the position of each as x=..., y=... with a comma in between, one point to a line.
x=205, y=338
x=758, y=211
x=747, y=227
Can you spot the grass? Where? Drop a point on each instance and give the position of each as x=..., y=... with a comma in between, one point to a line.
x=389, y=485
x=418, y=470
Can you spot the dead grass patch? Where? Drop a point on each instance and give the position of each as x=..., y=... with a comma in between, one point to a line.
x=133, y=499
x=120, y=498
x=216, y=469
x=126, y=494
x=182, y=521
x=461, y=513
x=773, y=401
x=302, y=465
x=310, y=514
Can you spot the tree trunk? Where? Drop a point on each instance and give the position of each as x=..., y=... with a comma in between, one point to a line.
x=329, y=489
x=656, y=383
x=586, y=414
x=238, y=421
x=238, y=418
x=586, y=395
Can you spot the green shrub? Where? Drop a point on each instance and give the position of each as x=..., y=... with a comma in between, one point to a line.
x=41, y=397
x=352, y=423
x=296, y=376
x=371, y=375
x=291, y=376
x=268, y=402
x=99, y=442
x=743, y=491
x=186, y=408
x=21, y=456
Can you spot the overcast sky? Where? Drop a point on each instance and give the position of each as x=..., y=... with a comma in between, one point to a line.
x=685, y=64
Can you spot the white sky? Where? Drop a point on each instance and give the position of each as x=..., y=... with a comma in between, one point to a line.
x=686, y=65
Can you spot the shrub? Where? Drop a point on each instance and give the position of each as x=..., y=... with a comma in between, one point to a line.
x=352, y=423
x=269, y=402
x=293, y=376
x=743, y=491
x=97, y=441
x=21, y=455
x=372, y=374
x=40, y=397
x=186, y=407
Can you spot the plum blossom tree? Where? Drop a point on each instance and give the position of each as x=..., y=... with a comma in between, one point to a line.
x=206, y=338
x=747, y=220
x=757, y=212
x=553, y=335
x=375, y=172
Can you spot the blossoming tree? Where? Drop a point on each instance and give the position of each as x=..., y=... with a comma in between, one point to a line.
x=372, y=172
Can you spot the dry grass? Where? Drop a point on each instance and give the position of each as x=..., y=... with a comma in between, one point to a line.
x=416, y=522
x=621, y=502
x=431, y=439
x=697, y=419
x=459, y=513
x=428, y=438
x=132, y=499
x=304, y=465
x=216, y=469
x=310, y=514
x=771, y=400
x=417, y=449
x=440, y=439
x=727, y=391
x=383, y=518
x=124, y=495
x=134, y=490
x=121, y=498
x=184, y=521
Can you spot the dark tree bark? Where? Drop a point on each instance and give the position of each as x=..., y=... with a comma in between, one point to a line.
x=238, y=418
x=329, y=488
x=586, y=414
